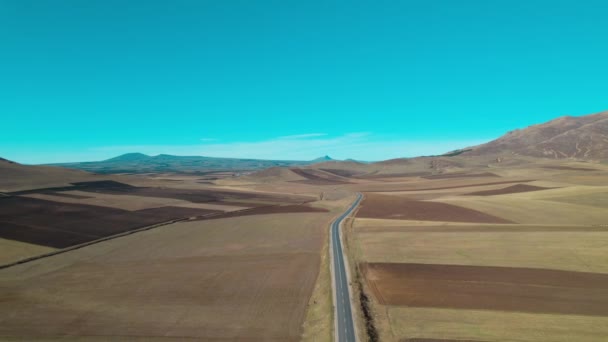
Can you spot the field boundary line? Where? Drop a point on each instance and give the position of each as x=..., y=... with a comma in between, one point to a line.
x=106, y=238
x=115, y=236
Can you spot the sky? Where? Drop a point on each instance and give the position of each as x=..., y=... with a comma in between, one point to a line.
x=368, y=80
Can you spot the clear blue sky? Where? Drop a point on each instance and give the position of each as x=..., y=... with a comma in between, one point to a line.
x=371, y=80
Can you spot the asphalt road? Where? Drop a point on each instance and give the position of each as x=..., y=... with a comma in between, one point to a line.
x=345, y=326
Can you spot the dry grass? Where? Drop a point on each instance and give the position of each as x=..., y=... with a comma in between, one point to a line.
x=230, y=279
x=266, y=277
x=528, y=211
x=319, y=324
x=562, y=250
x=11, y=250
x=565, y=228
x=130, y=202
x=495, y=325
x=488, y=288
x=394, y=207
x=598, y=199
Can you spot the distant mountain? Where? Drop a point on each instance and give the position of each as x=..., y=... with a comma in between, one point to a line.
x=321, y=159
x=130, y=157
x=584, y=137
x=356, y=161
x=142, y=163
x=6, y=161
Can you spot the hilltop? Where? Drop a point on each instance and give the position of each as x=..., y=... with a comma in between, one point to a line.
x=583, y=137
x=16, y=176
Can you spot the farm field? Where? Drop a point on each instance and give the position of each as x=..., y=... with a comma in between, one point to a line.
x=83, y=212
x=220, y=263
x=508, y=261
x=303, y=171
x=234, y=278
x=435, y=254
x=11, y=250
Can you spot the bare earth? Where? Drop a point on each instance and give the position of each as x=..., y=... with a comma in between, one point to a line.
x=445, y=249
x=528, y=262
x=230, y=279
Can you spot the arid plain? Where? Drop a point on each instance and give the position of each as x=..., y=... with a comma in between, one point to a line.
x=468, y=246
x=138, y=257
x=487, y=262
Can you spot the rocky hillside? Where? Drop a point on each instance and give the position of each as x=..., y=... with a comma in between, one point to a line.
x=583, y=137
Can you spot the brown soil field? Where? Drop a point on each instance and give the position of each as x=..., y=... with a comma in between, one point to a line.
x=67, y=195
x=246, y=204
x=316, y=177
x=569, y=168
x=478, y=228
x=462, y=186
x=48, y=237
x=198, y=195
x=508, y=190
x=489, y=288
x=456, y=292
x=133, y=203
x=342, y=172
x=461, y=175
x=202, y=195
x=271, y=175
x=320, y=182
x=378, y=176
x=60, y=225
x=436, y=340
x=394, y=207
x=526, y=208
x=235, y=279
x=93, y=185
x=274, y=209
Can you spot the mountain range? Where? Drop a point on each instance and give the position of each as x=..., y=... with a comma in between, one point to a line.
x=568, y=137
x=142, y=163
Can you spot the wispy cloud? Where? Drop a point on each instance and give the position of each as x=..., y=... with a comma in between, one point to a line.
x=302, y=136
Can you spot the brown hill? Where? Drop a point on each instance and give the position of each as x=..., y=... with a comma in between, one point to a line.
x=584, y=137
x=273, y=174
x=14, y=176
